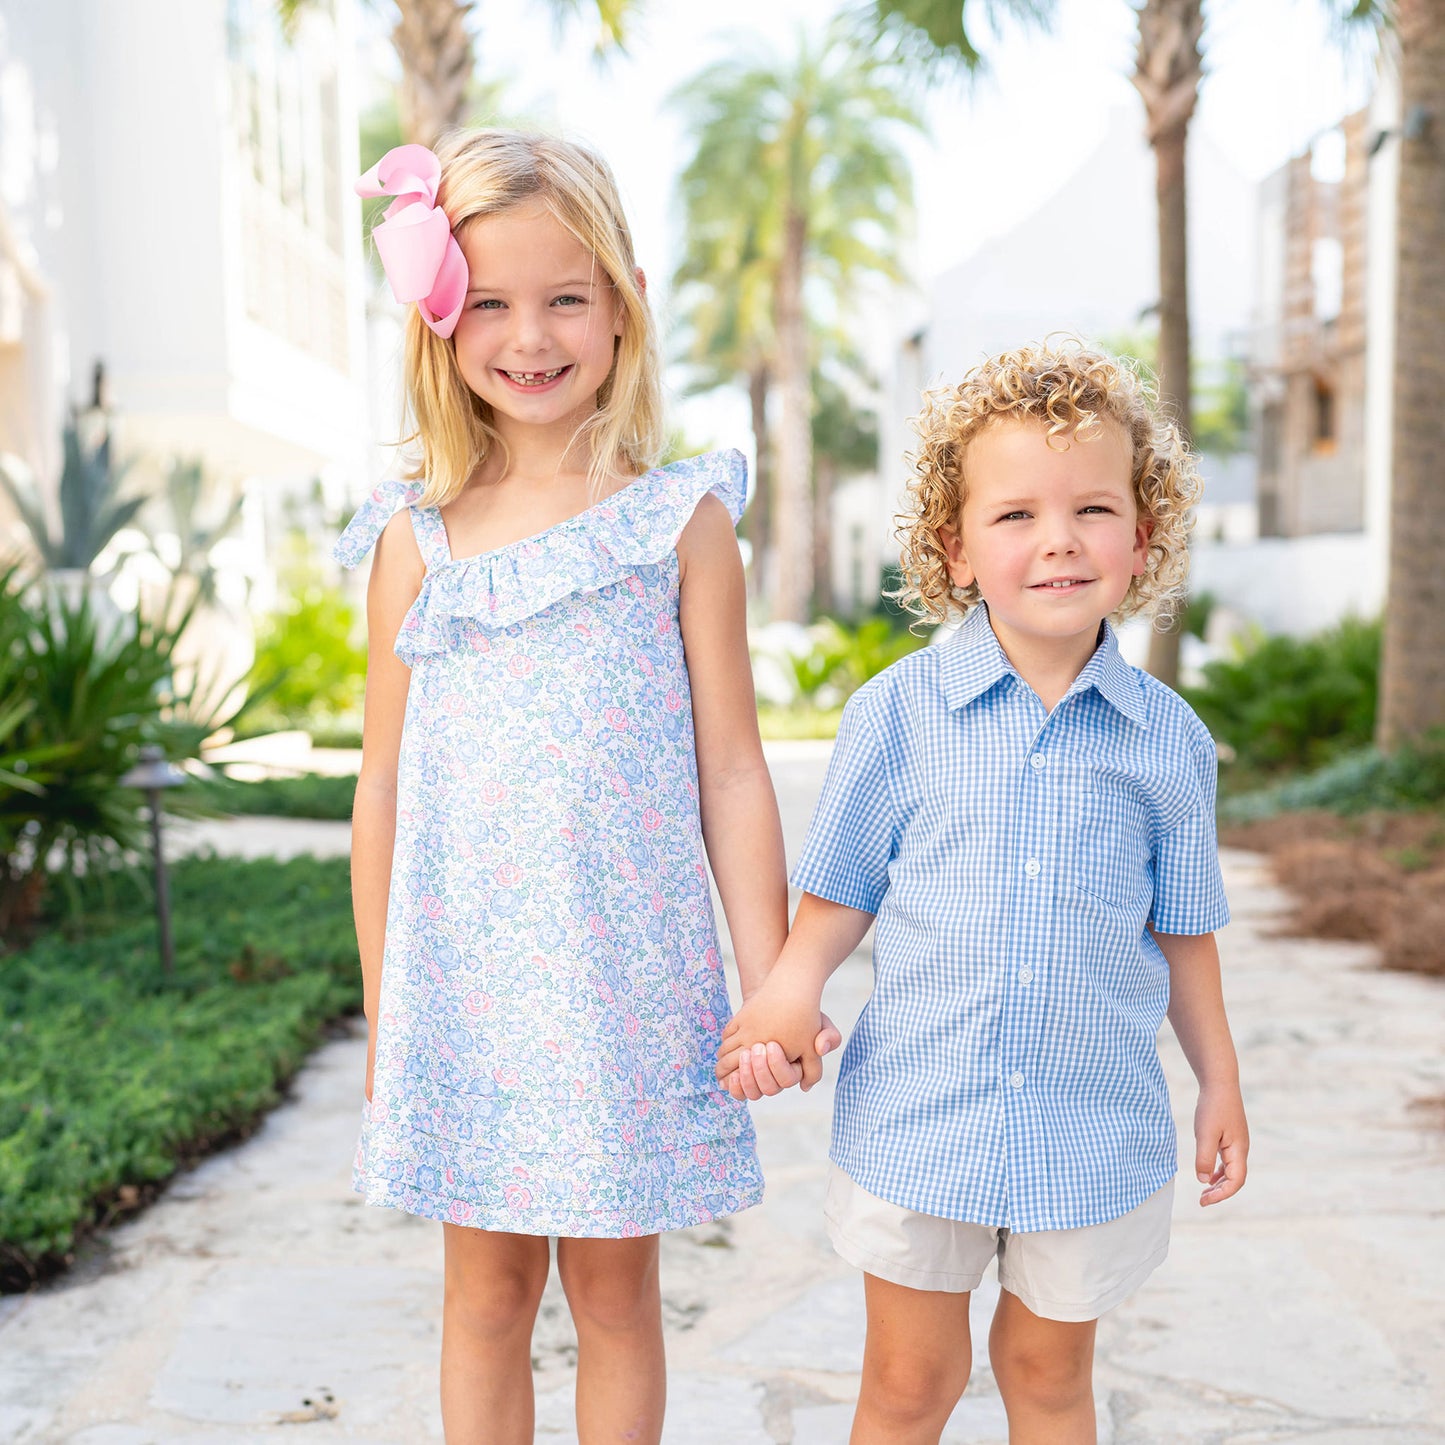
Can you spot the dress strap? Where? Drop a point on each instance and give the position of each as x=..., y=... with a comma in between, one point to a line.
x=431, y=536
x=361, y=532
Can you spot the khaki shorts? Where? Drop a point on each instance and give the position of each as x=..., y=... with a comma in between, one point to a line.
x=1060, y=1274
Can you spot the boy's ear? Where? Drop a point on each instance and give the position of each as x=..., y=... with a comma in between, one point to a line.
x=959, y=571
x=1142, y=532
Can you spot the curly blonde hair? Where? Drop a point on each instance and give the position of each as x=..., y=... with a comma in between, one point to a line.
x=1072, y=389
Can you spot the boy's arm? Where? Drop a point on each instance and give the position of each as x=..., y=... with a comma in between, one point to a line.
x=787, y=1009
x=1196, y=1012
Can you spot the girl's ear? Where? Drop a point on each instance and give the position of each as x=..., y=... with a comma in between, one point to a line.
x=1142, y=532
x=959, y=571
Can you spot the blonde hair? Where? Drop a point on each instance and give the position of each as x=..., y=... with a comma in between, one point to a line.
x=1072, y=390
x=486, y=172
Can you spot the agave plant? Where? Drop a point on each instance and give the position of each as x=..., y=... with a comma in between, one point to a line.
x=82, y=698
x=92, y=507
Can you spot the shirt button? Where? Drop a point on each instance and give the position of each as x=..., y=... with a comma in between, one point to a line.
x=1033, y=867
x=1037, y=762
x=1016, y=1080
x=1026, y=974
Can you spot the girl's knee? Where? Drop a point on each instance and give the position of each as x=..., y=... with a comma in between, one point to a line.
x=492, y=1291
x=611, y=1289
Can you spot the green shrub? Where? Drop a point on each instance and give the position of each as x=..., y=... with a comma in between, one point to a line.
x=1289, y=703
x=311, y=795
x=82, y=694
x=115, y=1074
x=309, y=658
x=1357, y=782
x=843, y=658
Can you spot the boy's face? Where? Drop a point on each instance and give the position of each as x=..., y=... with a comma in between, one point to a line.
x=1051, y=536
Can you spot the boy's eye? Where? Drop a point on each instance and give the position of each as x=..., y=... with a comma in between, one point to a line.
x=1095, y=507
x=1013, y=516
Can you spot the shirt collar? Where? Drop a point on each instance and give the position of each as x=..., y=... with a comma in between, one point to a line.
x=972, y=662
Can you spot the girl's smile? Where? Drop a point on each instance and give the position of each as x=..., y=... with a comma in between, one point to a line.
x=538, y=331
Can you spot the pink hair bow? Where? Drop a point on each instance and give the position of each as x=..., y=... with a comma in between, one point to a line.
x=418, y=252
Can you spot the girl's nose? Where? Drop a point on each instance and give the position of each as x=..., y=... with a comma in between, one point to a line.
x=529, y=331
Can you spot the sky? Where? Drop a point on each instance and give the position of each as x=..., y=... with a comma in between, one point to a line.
x=997, y=146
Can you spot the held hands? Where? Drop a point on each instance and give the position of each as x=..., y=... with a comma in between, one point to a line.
x=1221, y=1142
x=777, y=1039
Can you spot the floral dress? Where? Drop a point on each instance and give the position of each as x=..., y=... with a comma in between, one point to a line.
x=552, y=991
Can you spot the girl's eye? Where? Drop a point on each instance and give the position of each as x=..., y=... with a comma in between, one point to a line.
x=571, y=301
x=487, y=303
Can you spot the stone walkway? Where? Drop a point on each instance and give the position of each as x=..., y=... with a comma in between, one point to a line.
x=259, y=1296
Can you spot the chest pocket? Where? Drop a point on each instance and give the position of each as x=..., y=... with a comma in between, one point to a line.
x=1111, y=861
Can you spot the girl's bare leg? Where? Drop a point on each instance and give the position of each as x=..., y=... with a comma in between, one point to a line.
x=616, y=1301
x=915, y=1364
x=1045, y=1373
x=494, y=1283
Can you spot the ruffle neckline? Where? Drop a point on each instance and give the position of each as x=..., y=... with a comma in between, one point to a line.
x=635, y=527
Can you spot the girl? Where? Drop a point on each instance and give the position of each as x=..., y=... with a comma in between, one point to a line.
x=559, y=714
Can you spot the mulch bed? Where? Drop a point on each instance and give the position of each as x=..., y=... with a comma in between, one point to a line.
x=1377, y=878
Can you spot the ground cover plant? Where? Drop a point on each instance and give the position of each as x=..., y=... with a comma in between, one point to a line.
x=1360, y=845
x=116, y=1075
x=306, y=795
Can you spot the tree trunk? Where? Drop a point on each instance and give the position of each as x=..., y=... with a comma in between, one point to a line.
x=1412, y=675
x=435, y=50
x=792, y=518
x=825, y=474
x=758, y=521
x=1167, y=72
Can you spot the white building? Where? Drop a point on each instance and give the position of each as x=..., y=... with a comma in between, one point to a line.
x=175, y=202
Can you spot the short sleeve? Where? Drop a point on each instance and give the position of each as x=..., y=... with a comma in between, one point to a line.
x=854, y=833
x=1188, y=887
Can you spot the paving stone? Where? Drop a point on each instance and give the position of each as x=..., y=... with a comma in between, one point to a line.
x=1311, y=1309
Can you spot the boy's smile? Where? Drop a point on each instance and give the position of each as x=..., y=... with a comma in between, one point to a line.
x=1050, y=534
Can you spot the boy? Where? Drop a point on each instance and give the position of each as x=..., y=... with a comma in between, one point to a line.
x=1031, y=822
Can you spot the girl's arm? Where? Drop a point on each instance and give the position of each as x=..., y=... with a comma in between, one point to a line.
x=740, y=824
x=396, y=577
x=1196, y=1012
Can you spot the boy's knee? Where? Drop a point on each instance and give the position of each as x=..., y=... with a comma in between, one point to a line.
x=1048, y=1379
x=912, y=1389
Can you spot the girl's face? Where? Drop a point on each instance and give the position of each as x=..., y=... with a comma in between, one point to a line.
x=536, y=335
x=1052, y=537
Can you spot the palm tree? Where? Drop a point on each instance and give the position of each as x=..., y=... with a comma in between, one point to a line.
x=727, y=330
x=803, y=151
x=1412, y=681
x=433, y=41
x=1168, y=67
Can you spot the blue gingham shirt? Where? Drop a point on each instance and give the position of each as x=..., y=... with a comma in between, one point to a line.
x=1005, y=1070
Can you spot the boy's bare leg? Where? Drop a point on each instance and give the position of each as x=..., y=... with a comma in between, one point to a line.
x=616, y=1301
x=1045, y=1373
x=494, y=1283
x=915, y=1364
